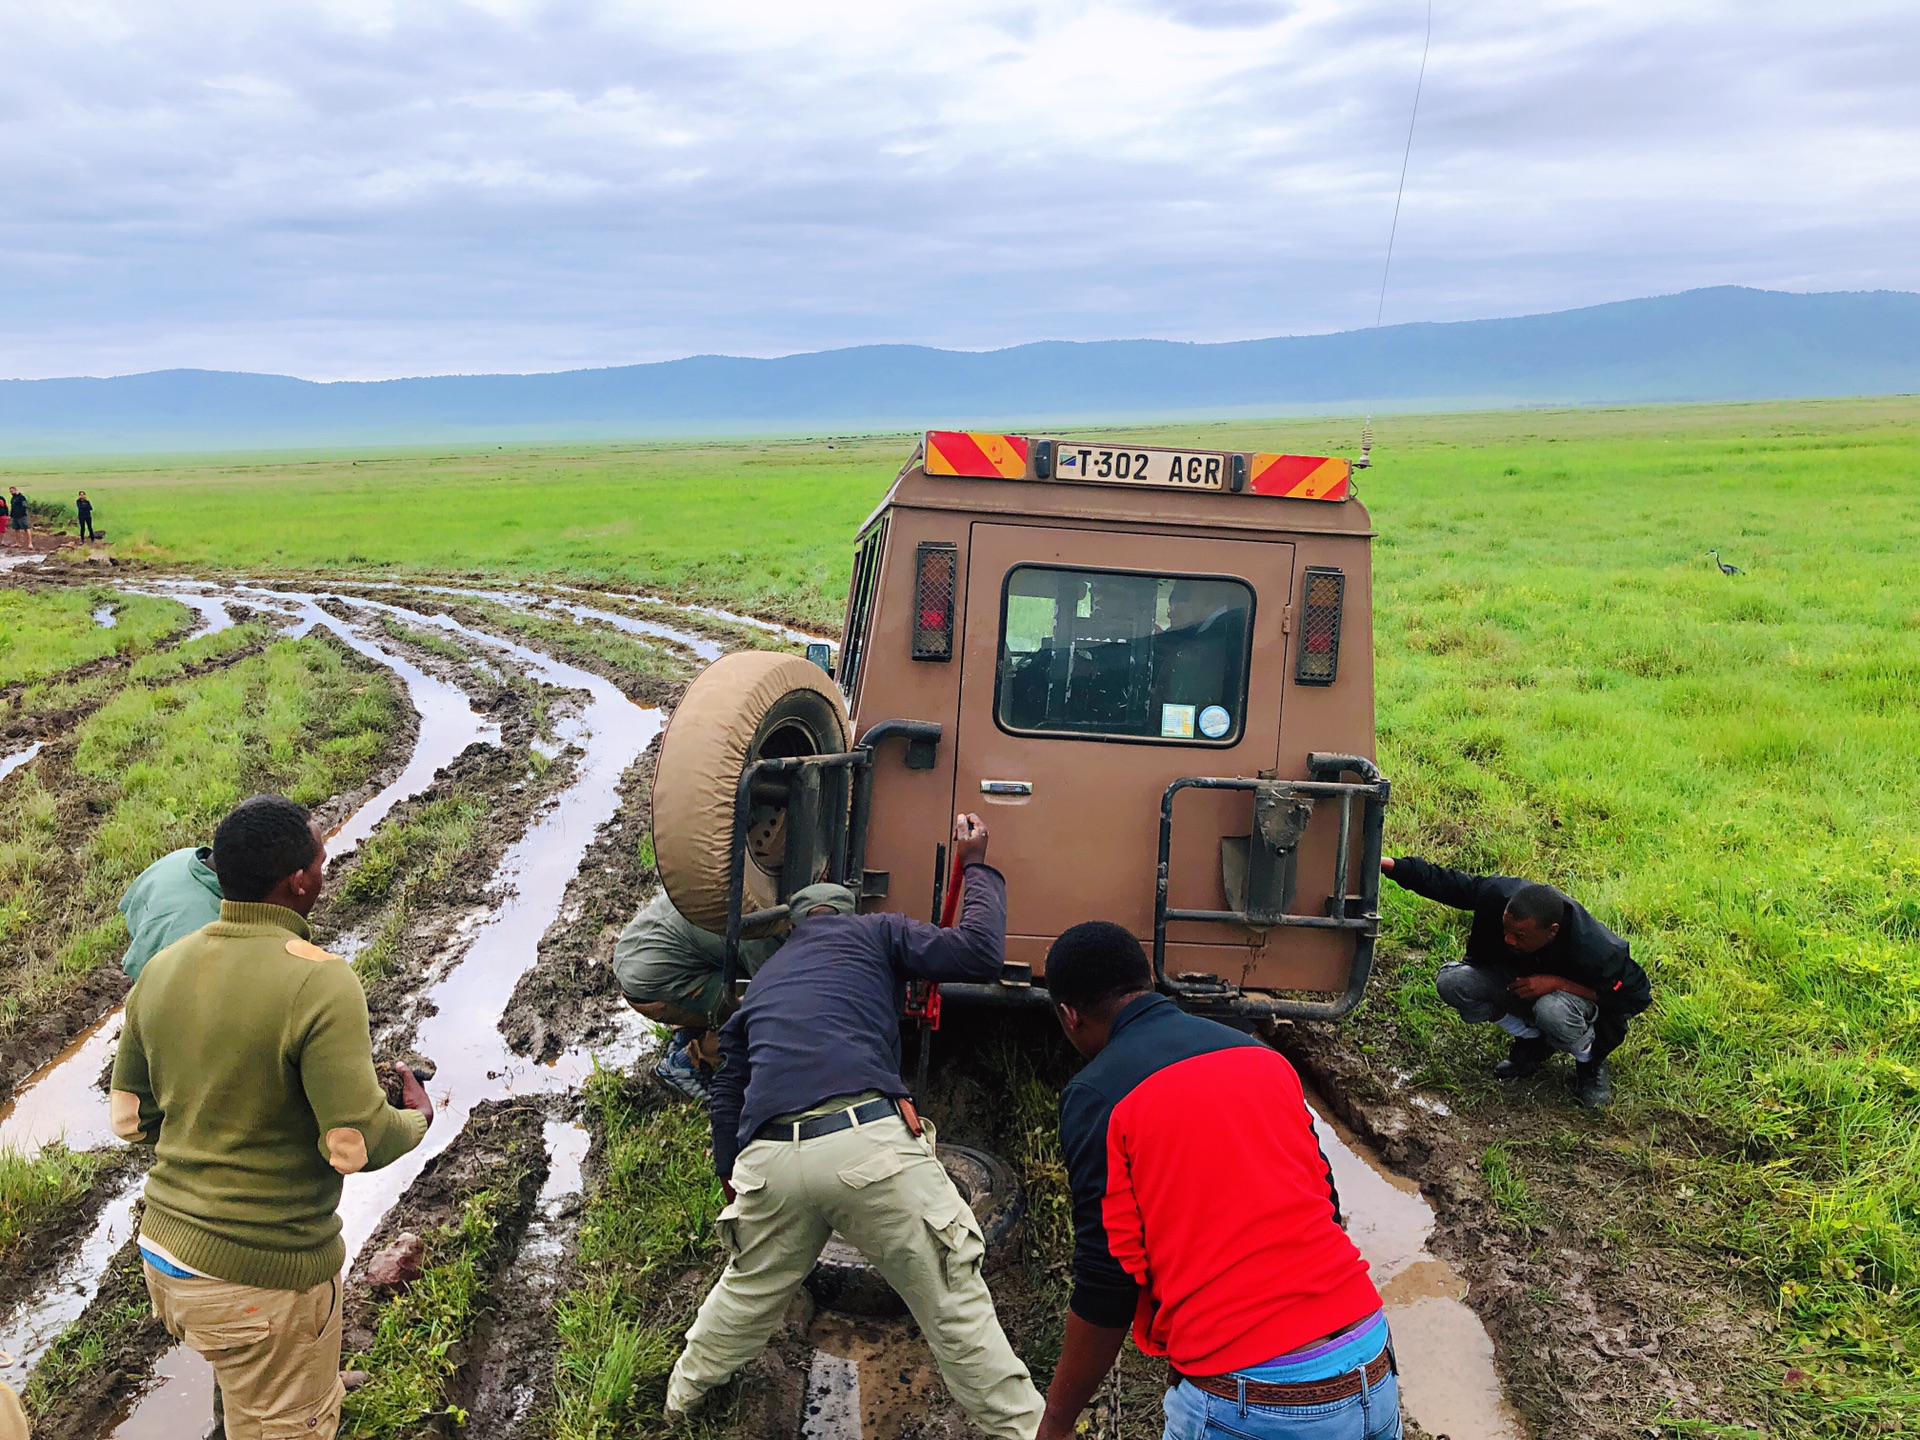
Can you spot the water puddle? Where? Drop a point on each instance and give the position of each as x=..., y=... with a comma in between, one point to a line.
x=62, y=1100
x=211, y=609
x=104, y=617
x=179, y=1403
x=869, y=1380
x=13, y=762
x=1447, y=1378
x=463, y=1036
x=448, y=721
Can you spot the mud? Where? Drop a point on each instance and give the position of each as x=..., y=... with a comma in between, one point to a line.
x=570, y=998
x=501, y=1148
x=509, y=1379
x=1594, y=1307
x=1447, y=1378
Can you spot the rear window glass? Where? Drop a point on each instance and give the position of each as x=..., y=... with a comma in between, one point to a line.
x=1124, y=655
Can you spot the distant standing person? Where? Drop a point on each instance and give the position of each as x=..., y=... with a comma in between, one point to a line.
x=1539, y=966
x=84, y=508
x=17, y=512
x=244, y=1061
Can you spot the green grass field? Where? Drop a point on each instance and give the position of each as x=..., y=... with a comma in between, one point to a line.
x=1727, y=769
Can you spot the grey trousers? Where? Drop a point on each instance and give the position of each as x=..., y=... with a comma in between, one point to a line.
x=884, y=1190
x=1566, y=1022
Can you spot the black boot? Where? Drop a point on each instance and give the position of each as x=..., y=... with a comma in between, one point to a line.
x=1592, y=1084
x=1524, y=1058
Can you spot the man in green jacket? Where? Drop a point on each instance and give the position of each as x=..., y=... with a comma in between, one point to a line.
x=173, y=897
x=245, y=1062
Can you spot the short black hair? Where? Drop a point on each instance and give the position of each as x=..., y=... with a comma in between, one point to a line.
x=1095, y=963
x=1542, y=904
x=262, y=841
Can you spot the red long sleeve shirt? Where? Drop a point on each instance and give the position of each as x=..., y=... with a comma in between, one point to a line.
x=1204, y=1210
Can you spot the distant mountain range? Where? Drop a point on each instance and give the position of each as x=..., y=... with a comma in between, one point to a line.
x=1718, y=344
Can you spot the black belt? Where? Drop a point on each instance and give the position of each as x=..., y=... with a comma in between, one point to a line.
x=820, y=1125
x=1299, y=1392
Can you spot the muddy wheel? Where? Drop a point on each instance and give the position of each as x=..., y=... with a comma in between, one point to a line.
x=843, y=1280
x=751, y=705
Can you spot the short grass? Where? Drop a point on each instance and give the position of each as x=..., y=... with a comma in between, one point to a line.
x=159, y=766
x=34, y=1188
x=398, y=867
x=44, y=632
x=414, y=1350
x=647, y=1223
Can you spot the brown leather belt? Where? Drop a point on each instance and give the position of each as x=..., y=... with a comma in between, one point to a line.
x=1301, y=1392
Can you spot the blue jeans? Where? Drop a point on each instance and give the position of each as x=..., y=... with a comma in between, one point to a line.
x=1373, y=1414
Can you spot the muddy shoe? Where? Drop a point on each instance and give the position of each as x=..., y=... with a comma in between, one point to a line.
x=1524, y=1058
x=678, y=1072
x=1593, y=1085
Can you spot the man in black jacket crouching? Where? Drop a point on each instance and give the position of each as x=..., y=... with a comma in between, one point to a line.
x=1539, y=966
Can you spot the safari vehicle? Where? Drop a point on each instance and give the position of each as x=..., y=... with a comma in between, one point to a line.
x=1149, y=669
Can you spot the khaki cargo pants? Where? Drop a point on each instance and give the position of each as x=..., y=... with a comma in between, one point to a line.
x=276, y=1353
x=883, y=1190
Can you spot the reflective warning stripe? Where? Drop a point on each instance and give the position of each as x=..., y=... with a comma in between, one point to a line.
x=1300, y=477
x=975, y=455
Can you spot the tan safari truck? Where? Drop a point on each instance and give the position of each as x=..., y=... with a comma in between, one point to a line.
x=1149, y=669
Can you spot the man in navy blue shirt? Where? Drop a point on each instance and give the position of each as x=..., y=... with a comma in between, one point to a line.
x=814, y=1132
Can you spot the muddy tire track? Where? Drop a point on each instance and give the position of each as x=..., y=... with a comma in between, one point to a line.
x=503, y=1150
x=570, y=997
x=44, y=1247
x=1593, y=1311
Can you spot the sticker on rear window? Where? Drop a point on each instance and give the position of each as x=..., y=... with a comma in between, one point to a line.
x=1215, y=722
x=1176, y=722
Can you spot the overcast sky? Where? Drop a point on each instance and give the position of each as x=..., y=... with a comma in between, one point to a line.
x=361, y=188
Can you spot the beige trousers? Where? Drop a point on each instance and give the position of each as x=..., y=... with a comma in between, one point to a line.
x=276, y=1353
x=883, y=1190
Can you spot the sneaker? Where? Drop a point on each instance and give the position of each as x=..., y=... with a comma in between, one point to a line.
x=1524, y=1058
x=1593, y=1085
x=677, y=1071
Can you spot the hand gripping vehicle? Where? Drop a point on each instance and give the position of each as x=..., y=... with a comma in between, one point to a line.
x=1150, y=669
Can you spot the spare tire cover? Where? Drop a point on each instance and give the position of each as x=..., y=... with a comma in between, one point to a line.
x=750, y=705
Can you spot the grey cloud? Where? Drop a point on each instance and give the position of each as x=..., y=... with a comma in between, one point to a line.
x=561, y=184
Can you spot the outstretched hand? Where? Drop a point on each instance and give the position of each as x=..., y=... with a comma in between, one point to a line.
x=1386, y=864
x=969, y=840
x=413, y=1095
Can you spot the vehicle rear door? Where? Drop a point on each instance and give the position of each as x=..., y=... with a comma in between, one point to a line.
x=1098, y=667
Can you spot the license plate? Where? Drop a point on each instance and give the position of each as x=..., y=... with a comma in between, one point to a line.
x=1109, y=465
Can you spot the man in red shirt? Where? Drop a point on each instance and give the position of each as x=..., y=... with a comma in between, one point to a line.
x=1204, y=1212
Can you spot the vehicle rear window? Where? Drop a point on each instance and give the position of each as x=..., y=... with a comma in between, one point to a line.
x=1123, y=655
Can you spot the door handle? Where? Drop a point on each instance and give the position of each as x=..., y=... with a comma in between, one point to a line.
x=1006, y=787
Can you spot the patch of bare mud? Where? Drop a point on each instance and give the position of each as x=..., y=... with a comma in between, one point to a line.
x=1596, y=1308
x=570, y=998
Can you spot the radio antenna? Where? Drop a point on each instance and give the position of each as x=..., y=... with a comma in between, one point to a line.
x=1393, y=230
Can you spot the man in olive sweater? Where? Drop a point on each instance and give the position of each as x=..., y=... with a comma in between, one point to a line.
x=245, y=1061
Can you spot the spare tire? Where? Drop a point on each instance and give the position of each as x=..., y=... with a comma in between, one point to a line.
x=750, y=705
x=843, y=1279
